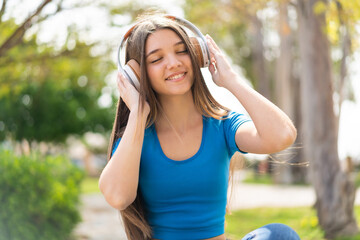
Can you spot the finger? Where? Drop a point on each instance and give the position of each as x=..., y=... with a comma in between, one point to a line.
x=120, y=80
x=121, y=89
x=212, y=42
x=126, y=82
x=214, y=52
x=215, y=56
x=121, y=84
x=211, y=47
x=212, y=69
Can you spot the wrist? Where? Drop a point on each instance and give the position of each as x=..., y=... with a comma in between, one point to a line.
x=136, y=113
x=232, y=80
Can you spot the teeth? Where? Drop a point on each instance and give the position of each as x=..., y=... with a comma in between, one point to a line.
x=176, y=76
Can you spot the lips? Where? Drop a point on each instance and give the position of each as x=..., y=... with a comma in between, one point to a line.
x=176, y=76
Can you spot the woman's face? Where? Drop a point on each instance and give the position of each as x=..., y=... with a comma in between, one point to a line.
x=168, y=63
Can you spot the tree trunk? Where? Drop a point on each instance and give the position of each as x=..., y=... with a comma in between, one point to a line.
x=283, y=92
x=262, y=79
x=300, y=173
x=294, y=169
x=284, y=64
x=335, y=193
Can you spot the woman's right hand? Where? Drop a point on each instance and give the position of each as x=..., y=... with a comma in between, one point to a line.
x=130, y=95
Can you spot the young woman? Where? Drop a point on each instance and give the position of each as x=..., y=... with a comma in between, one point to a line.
x=171, y=144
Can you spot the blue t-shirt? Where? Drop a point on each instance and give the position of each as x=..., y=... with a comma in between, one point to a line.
x=187, y=199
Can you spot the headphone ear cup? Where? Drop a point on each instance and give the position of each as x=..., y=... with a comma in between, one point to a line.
x=200, y=59
x=201, y=51
x=132, y=70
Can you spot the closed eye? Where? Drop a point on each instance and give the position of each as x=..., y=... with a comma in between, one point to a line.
x=184, y=51
x=156, y=60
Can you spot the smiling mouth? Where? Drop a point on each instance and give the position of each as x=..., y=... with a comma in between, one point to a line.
x=176, y=77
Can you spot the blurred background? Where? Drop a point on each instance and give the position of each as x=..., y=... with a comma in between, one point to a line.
x=58, y=98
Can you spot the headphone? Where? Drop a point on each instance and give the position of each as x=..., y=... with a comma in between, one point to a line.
x=132, y=69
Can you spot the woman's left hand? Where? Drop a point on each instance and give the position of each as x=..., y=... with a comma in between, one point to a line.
x=220, y=68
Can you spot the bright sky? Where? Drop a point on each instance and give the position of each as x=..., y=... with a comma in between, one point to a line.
x=349, y=132
x=97, y=21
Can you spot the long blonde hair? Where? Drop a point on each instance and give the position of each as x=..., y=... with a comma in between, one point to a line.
x=135, y=223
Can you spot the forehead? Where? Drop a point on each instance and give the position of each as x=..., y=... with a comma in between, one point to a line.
x=160, y=39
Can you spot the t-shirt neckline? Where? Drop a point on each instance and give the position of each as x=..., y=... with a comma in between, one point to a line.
x=158, y=145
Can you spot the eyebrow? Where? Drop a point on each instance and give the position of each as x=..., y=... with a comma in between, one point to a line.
x=158, y=49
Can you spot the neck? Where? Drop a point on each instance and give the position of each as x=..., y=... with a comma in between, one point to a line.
x=178, y=112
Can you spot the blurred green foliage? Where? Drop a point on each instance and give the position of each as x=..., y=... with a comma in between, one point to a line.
x=90, y=185
x=229, y=30
x=38, y=197
x=48, y=92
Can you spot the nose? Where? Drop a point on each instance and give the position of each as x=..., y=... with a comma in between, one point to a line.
x=173, y=61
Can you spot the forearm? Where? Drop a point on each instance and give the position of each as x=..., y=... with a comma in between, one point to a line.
x=272, y=131
x=119, y=180
x=272, y=124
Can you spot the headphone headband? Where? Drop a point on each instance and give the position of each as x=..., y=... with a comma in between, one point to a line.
x=201, y=48
x=184, y=22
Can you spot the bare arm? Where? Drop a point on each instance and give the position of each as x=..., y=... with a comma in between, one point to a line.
x=271, y=130
x=119, y=180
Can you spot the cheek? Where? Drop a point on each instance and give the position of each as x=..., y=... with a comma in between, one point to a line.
x=156, y=73
x=153, y=76
x=190, y=67
x=153, y=72
x=187, y=62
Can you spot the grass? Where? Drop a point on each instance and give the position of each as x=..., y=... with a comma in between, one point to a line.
x=302, y=219
x=267, y=179
x=253, y=178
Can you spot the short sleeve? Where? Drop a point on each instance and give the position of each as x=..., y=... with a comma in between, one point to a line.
x=231, y=124
x=115, y=146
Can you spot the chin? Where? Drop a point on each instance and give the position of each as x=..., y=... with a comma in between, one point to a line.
x=183, y=88
x=176, y=93
x=180, y=91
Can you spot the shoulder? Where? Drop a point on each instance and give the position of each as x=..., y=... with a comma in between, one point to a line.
x=230, y=120
x=228, y=117
x=235, y=118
